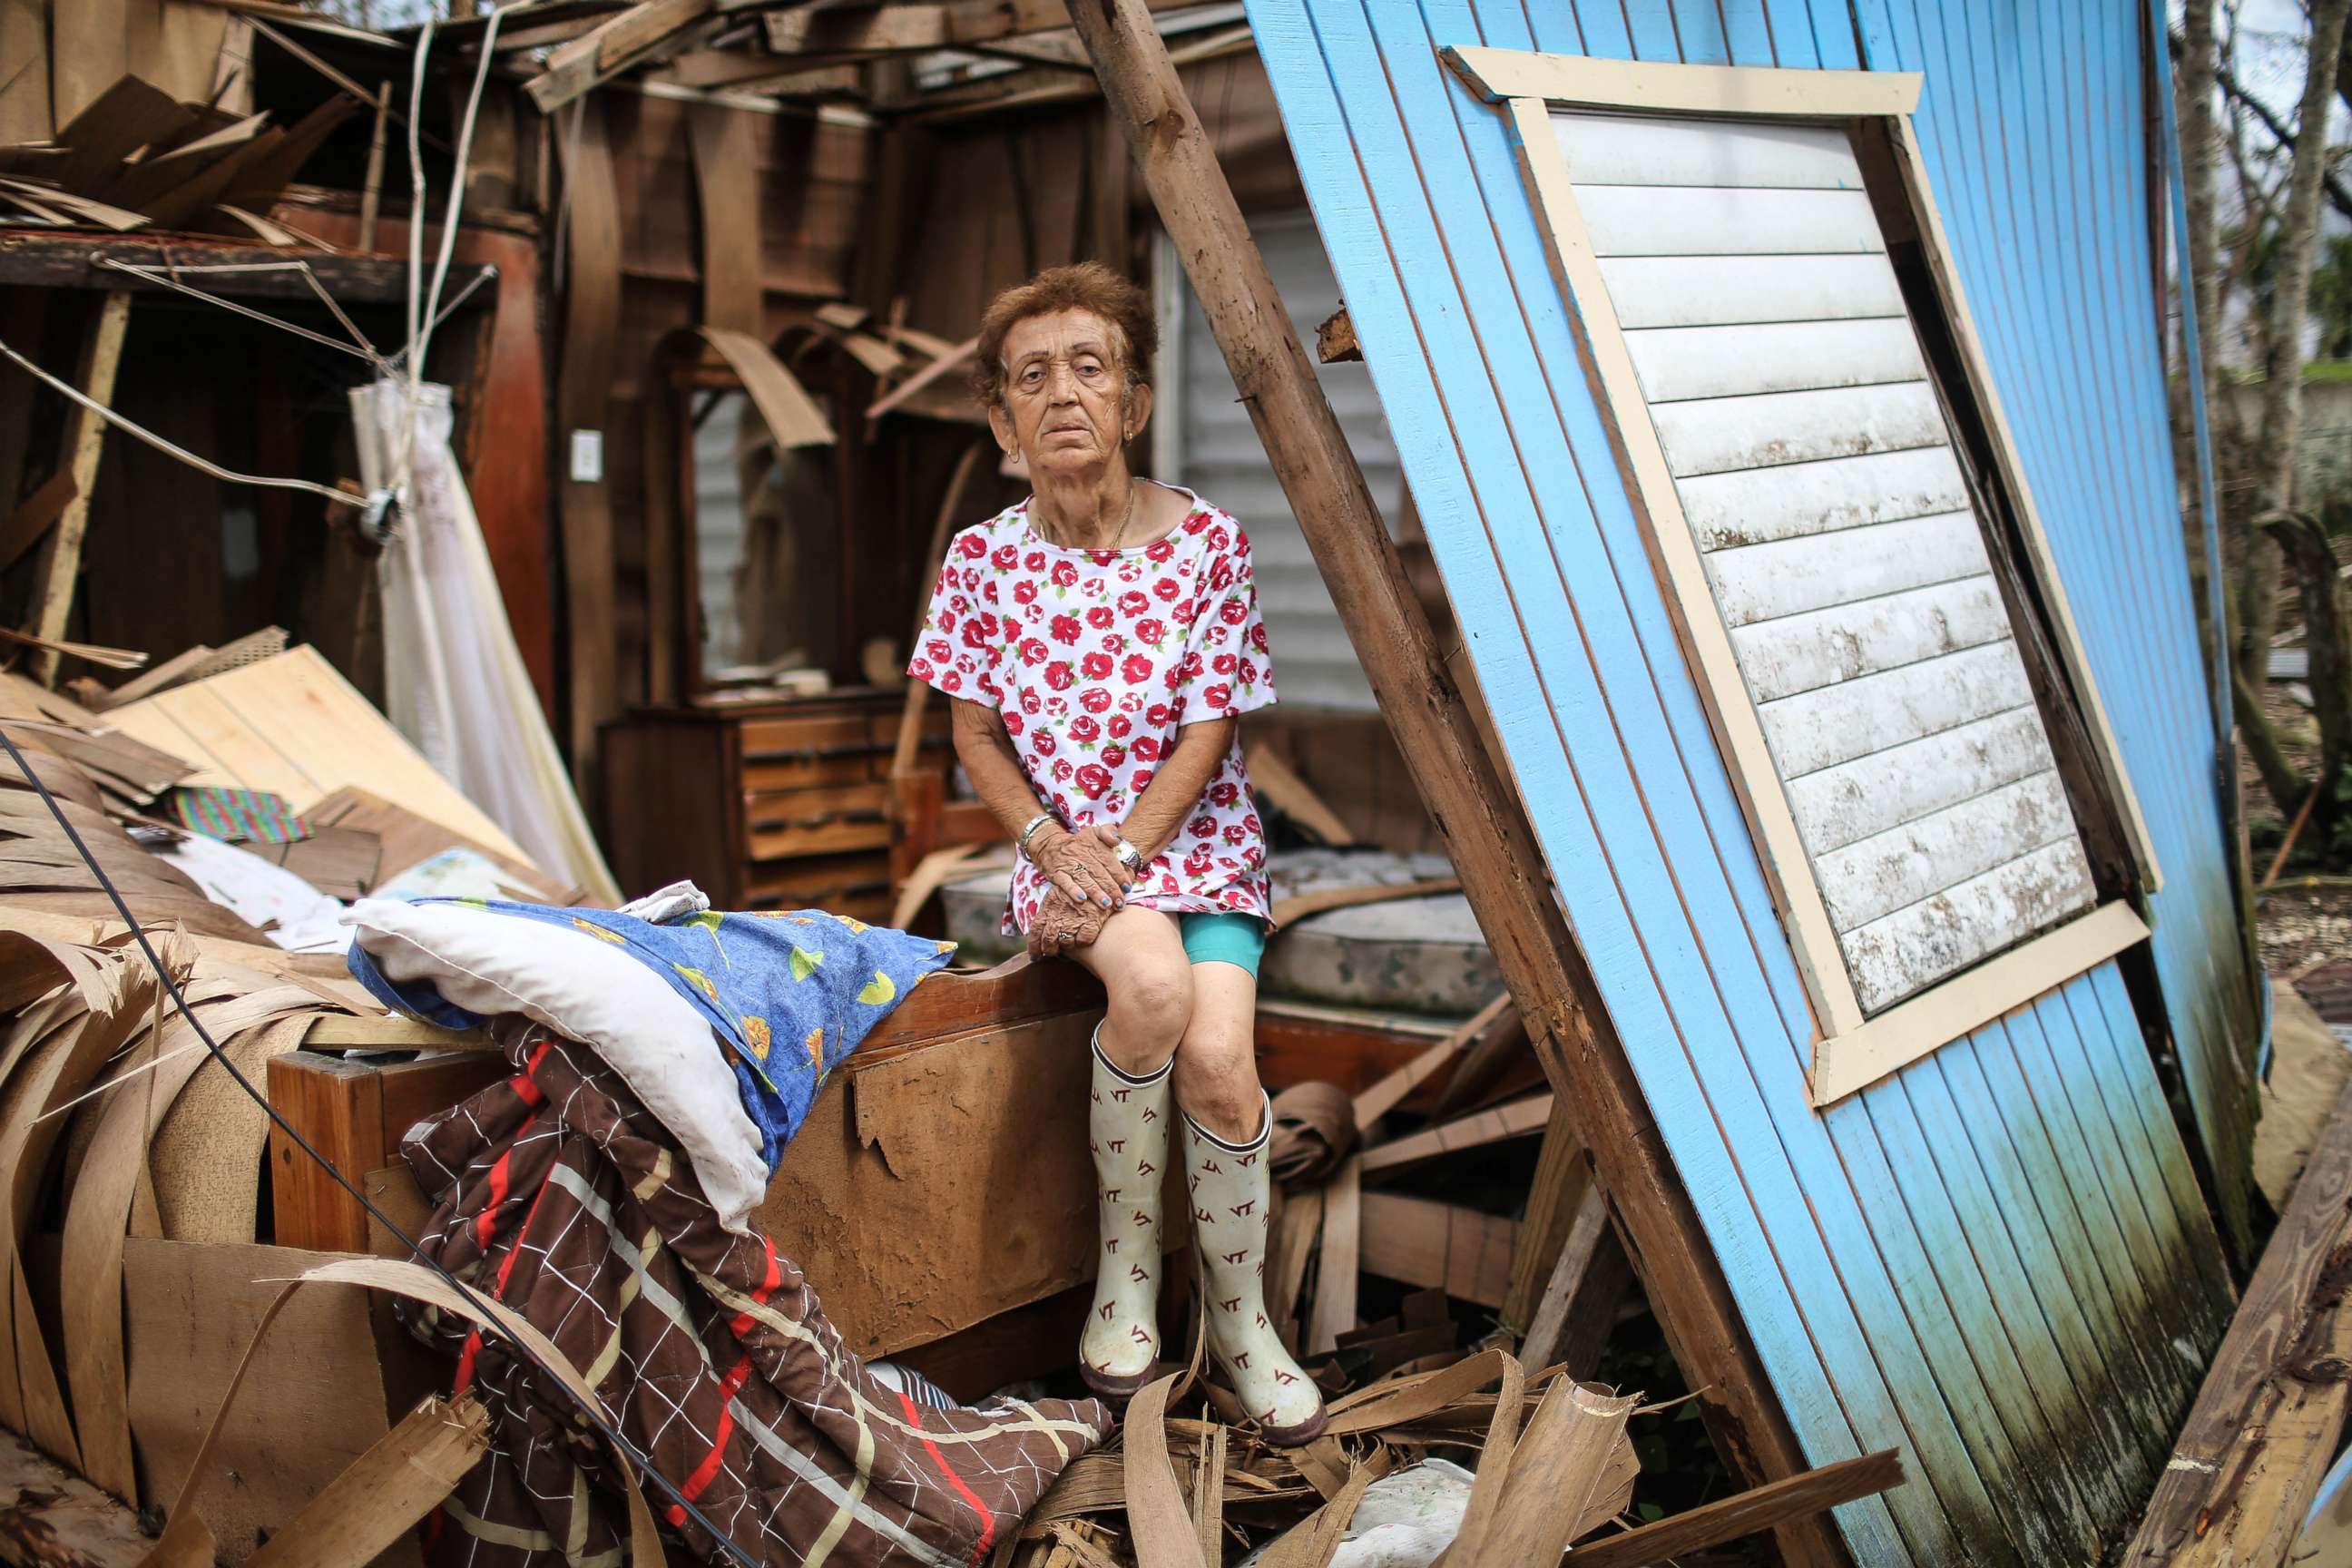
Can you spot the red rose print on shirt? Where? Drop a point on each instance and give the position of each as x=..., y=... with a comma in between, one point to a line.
x=1095, y=659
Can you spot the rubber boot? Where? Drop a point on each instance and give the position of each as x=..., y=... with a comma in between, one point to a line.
x=1231, y=1189
x=1127, y=1130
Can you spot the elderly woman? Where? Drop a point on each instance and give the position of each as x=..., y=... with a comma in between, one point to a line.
x=1101, y=641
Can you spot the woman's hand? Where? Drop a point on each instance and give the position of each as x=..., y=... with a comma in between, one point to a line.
x=1084, y=865
x=1063, y=924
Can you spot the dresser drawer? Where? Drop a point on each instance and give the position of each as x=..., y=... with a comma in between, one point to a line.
x=827, y=821
x=797, y=753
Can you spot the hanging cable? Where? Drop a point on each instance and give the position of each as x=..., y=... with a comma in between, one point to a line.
x=634, y=1455
x=164, y=280
x=326, y=493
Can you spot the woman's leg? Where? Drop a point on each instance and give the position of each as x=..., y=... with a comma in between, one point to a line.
x=1225, y=1143
x=1139, y=958
x=1216, y=1066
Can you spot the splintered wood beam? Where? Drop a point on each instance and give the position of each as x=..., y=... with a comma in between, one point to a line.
x=1589, y=1279
x=2267, y=1421
x=631, y=39
x=1750, y=1513
x=59, y=568
x=51, y=1517
x=1486, y=836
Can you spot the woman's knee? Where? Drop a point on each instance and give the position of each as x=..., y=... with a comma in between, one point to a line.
x=1217, y=1083
x=1149, y=1010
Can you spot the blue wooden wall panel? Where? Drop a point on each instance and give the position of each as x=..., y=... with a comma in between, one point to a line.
x=1997, y=1258
x=2045, y=193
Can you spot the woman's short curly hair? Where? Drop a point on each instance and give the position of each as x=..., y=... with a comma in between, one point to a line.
x=1085, y=285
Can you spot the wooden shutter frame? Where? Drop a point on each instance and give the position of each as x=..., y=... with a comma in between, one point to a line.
x=1850, y=1051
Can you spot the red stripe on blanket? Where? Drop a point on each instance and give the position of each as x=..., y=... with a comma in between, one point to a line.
x=729, y=1386
x=970, y=1497
x=506, y=1269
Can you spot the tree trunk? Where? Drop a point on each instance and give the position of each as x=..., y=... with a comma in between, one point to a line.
x=2327, y=633
x=2197, y=151
x=2280, y=781
x=2282, y=422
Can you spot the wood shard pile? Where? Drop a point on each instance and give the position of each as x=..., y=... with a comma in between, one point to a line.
x=139, y=158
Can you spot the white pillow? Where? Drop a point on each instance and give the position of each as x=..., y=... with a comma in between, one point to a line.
x=663, y=1048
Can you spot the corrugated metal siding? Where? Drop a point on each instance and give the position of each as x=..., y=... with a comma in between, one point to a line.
x=1997, y=1260
x=1216, y=453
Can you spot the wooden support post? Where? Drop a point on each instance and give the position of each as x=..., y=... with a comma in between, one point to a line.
x=60, y=567
x=353, y=1113
x=372, y=191
x=1492, y=848
x=2265, y=1424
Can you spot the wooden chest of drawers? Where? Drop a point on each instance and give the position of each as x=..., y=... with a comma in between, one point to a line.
x=784, y=805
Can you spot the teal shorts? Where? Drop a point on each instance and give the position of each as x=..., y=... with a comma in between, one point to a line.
x=1222, y=938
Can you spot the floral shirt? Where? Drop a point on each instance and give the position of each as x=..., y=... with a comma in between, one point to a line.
x=1095, y=658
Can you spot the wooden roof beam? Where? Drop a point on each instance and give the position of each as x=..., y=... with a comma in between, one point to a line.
x=919, y=28
x=644, y=32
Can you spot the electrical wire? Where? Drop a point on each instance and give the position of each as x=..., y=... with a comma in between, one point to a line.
x=634, y=1455
x=341, y=497
x=164, y=280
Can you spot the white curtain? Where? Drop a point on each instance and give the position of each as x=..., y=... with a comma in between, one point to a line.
x=454, y=678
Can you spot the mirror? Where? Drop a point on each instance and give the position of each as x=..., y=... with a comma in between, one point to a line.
x=766, y=548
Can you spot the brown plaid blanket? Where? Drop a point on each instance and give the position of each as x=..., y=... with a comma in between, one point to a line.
x=563, y=1198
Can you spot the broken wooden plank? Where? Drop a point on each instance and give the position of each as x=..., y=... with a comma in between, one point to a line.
x=2264, y=1425
x=1334, y=1277
x=1579, y=1306
x=1558, y=1470
x=1750, y=1513
x=51, y=1517
x=58, y=569
x=1335, y=339
x=1516, y=1119
x=34, y=515
x=1382, y=1097
x=1275, y=783
x=1563, y=1176
x=631, y=39
x=1422, y=1242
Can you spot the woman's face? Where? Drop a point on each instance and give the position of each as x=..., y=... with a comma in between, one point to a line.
x=1067, y=408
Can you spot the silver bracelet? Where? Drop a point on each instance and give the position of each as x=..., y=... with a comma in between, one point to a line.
x=1029, y=830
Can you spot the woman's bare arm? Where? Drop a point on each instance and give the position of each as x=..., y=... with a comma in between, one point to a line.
x=1080, y=864
x=1175, y=789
